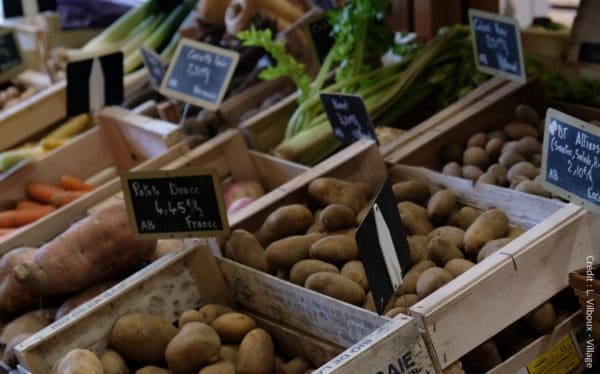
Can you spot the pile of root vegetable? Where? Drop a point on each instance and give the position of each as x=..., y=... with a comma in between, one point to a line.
x=212, y=340
x=14, y=94
x=313, y=244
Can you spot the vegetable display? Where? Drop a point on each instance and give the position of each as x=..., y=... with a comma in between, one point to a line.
x=214, y=339
x=14, y=94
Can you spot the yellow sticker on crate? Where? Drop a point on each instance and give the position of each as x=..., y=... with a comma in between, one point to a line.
x=562, y=358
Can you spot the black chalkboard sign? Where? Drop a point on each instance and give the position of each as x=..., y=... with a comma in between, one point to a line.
x=571, y=159
x=319, y=29
x=20, y=8
x=383, y=247
x=11, y=61
x=325, y=4
x=199, y=74
x=348, y=117
x=155, y=66
x=175, y=204
x=94, y=83
x=497, y=45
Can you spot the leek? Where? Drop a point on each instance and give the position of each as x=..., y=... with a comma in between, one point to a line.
x=141, y=32
x=121, y=28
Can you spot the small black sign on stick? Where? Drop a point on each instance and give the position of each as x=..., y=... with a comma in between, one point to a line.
x=11, y=61
x=199, y=74
x=155, y=66
x=94, y=83
x=497, y=45
x=383, y=247
x=175, y=203
x=571, y=159
x=20, y=8
x=348, y=117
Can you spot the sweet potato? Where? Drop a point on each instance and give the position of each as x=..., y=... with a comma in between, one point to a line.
x=81, y=298
x=98, y=248
x=14, y=296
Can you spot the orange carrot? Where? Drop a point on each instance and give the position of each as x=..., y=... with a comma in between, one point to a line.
x=42, y=192
x=18, y=218
x=5, y=231
x=70, y=183
x=66, y=197
x=28, y=204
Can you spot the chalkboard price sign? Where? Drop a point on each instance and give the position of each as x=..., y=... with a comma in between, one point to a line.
x=383, y=247
x=348, y=117
x=199, y=74
x=154, y=65
x=175, y=203
x=319, y=29
x=20, y=8
x=11, y=61
x=497, y=45
x=571, y=159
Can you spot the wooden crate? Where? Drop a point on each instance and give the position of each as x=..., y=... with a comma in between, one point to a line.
x=266, y=130
x=490, y=113
x=518, y=362
x=301, y=322
x=530, y=269
x=33, y=115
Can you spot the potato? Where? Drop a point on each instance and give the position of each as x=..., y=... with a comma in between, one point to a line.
x=464, y=217
x=22, y=328
x=256, y=354
x=491, y=247
x=360, y=217
x=297, y=365
x=395, y=311
x=471, y=172
x=533, y=188
x=432, y=279
x=492, y=224
x=406, y=300
x=477, y=140
x=355, y=271
x=499, y=134
x=78, y=361
x=483, y=358
x=409, y=284
x=451, y=234
x=337, y=217
x=453, y=169
x=517, y=180
x=499, y=172
x=195, y=345
x=517, y=130
x=113, y=363
x=441, y=205
x=418, y=248
x=415, y=191
x=229, y=352
x=141, y=339
x=327, y=191
x=336, y=286
x=440, y=251
x=190, y=316
x=494, y=147
x=509, y=158
x=457, y=266
x=476, y=156
x=365, y=188
x=515, y=232
x=454, y=152
x=335, y=249
x=152, y=370
x=526, y=114
x=523, y=168
x=284, y=253
x=232, y=327
x=529, y=146
x=369, y=303
x=244, y=248
x=210, y=312
x=285, y=221
x=536, y=160
x=542, y=319
x=487, y=178
x=316, y=225
x=221, y=367
x=305, y=268
x=415, y=218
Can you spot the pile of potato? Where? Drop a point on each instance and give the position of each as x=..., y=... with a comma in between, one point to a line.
x=14, y=94
x=212, y=340
x=510, y=157
x=316, y=248
x=540, y=321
